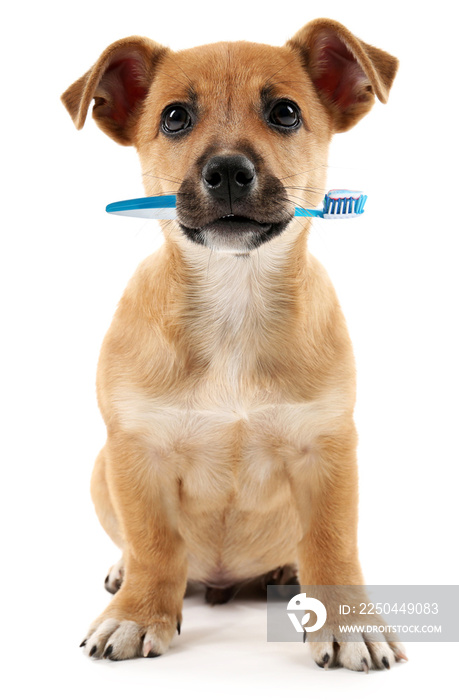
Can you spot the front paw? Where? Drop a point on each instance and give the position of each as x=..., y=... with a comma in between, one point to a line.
x=117, y=639
x=356, y=652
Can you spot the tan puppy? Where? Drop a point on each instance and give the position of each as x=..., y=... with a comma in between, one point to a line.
x=226, y=380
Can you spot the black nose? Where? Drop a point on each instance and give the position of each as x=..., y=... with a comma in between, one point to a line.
x=228, y=178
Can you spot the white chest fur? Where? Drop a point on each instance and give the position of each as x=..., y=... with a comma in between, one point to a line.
x=222, y=426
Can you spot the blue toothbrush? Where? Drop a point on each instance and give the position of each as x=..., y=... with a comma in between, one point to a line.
x=337, y=204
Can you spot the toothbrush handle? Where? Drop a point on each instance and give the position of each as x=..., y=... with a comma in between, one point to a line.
x=299, y=211
x=164, y=202
x=164, y=207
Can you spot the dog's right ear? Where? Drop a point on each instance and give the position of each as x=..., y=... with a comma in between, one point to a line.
x=119, y=83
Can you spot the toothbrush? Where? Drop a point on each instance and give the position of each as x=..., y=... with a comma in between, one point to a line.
x=337, y=204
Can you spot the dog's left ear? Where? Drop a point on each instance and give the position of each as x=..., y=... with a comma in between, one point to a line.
x=346, y=72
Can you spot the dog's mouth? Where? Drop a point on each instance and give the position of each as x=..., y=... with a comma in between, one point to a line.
x=233, y=224
x=232, y=203
x=233, y=232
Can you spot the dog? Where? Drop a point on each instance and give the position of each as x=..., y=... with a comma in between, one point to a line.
x=227, y=379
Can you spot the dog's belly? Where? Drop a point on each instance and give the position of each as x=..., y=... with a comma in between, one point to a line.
x=233, y=468
x=225, y=547
x=238, y=516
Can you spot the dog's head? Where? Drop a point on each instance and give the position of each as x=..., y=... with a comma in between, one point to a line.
x=238, y=131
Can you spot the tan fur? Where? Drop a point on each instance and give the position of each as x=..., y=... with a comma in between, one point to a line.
x=226, y=381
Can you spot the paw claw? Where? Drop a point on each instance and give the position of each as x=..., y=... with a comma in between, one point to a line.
x=93, y=650
x=108, y=651
x=149, y=652
x=365, y=666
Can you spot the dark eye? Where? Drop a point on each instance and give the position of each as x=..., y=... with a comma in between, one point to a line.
x=285, y=114
x=175, y=119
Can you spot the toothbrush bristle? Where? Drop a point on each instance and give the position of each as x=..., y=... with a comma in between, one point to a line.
x=343, y=204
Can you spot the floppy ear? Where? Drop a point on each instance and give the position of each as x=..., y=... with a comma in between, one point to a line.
x=118, y=82
x=346, y=72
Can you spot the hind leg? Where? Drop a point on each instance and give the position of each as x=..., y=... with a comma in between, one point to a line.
x=107, y=517
x=286, y=575
x=115, y=576
x=283, y=575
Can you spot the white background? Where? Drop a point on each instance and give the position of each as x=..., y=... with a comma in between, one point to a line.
x=64, y=265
